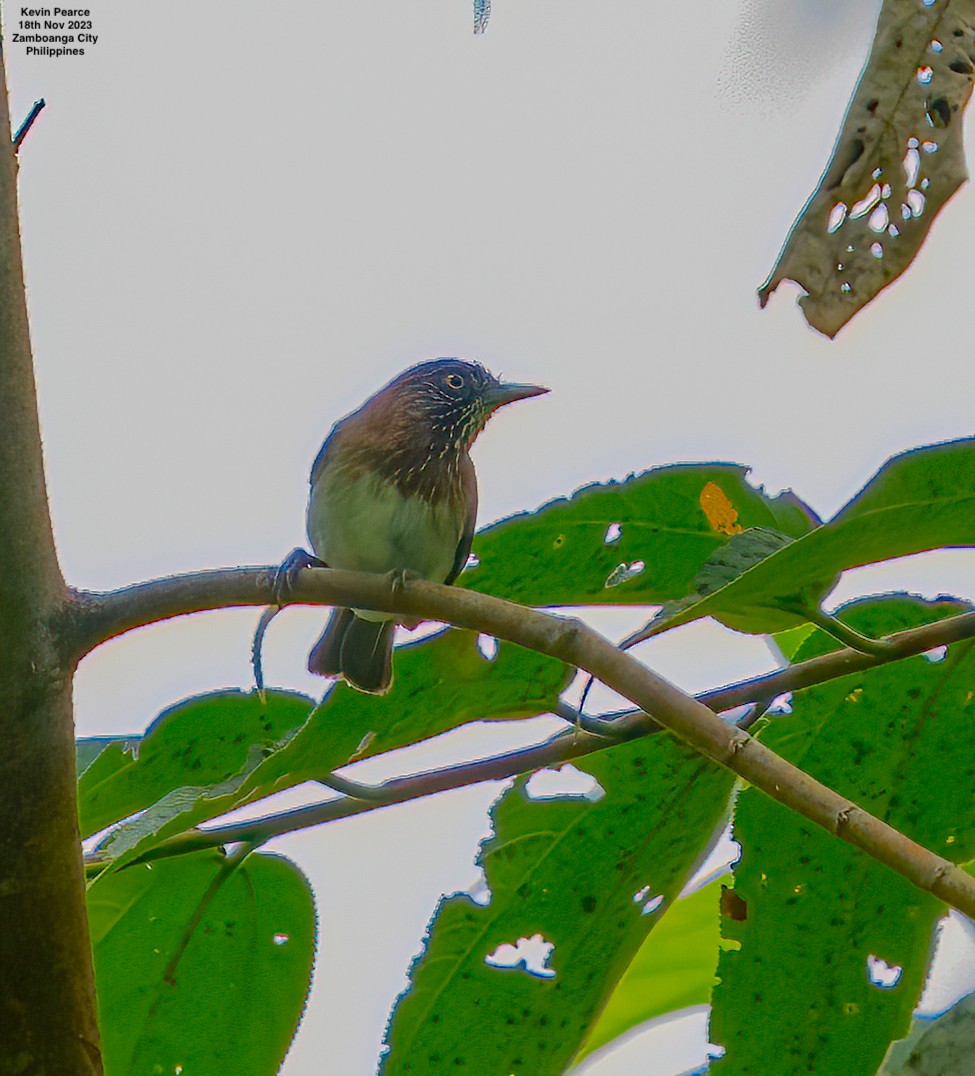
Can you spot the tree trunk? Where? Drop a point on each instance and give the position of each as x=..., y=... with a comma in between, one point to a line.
x=47, y=997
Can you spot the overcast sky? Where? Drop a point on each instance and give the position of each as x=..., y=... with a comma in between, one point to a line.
x=240, y=219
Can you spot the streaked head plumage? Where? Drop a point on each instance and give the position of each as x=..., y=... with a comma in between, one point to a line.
x=455, y=396
x=417, y=429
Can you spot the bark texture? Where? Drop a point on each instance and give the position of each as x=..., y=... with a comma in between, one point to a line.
x=47, y=998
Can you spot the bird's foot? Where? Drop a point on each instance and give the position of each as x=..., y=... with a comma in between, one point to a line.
x=288, y=571
x=399, y=577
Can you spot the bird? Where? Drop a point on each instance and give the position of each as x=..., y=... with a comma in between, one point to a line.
x=393, y=489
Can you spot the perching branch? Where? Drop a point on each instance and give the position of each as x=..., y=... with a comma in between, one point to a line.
x=597, y=735
x=97, y=617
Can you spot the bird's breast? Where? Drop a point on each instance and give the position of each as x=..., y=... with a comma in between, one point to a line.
x=361, y=522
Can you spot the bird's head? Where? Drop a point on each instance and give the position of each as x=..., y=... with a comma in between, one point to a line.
x=452, y=398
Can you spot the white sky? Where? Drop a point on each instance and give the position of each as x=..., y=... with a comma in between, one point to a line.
x=241, y=219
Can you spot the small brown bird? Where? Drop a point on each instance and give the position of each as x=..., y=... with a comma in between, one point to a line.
x=393, y=488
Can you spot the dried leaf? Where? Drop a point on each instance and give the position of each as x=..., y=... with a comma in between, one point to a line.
x=898, y=159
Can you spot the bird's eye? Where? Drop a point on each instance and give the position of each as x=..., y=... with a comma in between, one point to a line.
x=454, y=381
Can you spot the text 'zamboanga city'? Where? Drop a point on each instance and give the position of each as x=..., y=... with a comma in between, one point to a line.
x=57, y=31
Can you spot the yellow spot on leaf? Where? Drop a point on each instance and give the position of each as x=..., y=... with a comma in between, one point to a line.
x=721, y=513
x=854, y=695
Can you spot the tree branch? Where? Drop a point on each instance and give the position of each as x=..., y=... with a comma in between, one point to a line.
x=97, y=617
x=597, y=734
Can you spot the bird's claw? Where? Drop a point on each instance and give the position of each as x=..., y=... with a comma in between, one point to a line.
x=288, y=571
x=399, y=577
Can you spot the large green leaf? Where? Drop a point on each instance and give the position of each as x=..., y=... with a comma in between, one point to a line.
x=441, y=682
x=922, y=499
x=673, y=969
x=582, y=876
x=794, y=992
x=208, y=740
x=670, y=519
x=200, y=982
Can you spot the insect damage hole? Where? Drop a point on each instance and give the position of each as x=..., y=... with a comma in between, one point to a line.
x=623, y=572
x=911, y=163
x=879, y=219
x=479, y=891
x=487, y=647
x=882, y=974
x=613, y=532
x=916, y=200
x=567, y=782
x=866, y=203
x=527, y=954
x=649, y=906
x=836, y=217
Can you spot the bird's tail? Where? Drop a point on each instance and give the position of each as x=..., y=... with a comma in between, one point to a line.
x=359, y=650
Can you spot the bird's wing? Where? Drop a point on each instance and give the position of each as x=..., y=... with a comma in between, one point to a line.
x=469, y=486
x=319, y=464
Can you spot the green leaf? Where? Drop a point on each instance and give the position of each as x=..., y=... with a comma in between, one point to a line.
x=794, y=992
x=207, y=739
x=673, y=969
x=197, y=985
x=910, y=97
x=581, y=875
x=441, y=682
x=725, y=565
x=922, y=499
x=88, y=748
x=564, y=553
x=936, y=1047
x=791, y=640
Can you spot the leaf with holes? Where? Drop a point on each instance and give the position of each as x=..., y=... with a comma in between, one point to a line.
x=636, y=542
x=576, y=886
x=827, y=956
x=898, y=159
x=922, y=499
x=673, y=969
x=441, y=682
x=200, y=977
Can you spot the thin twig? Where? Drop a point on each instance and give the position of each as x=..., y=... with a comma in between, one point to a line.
x=843, y=633
x=96, y=617
x=603, y=732
x=25, y=127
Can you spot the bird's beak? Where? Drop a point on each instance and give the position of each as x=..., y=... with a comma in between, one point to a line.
x=508, y=392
